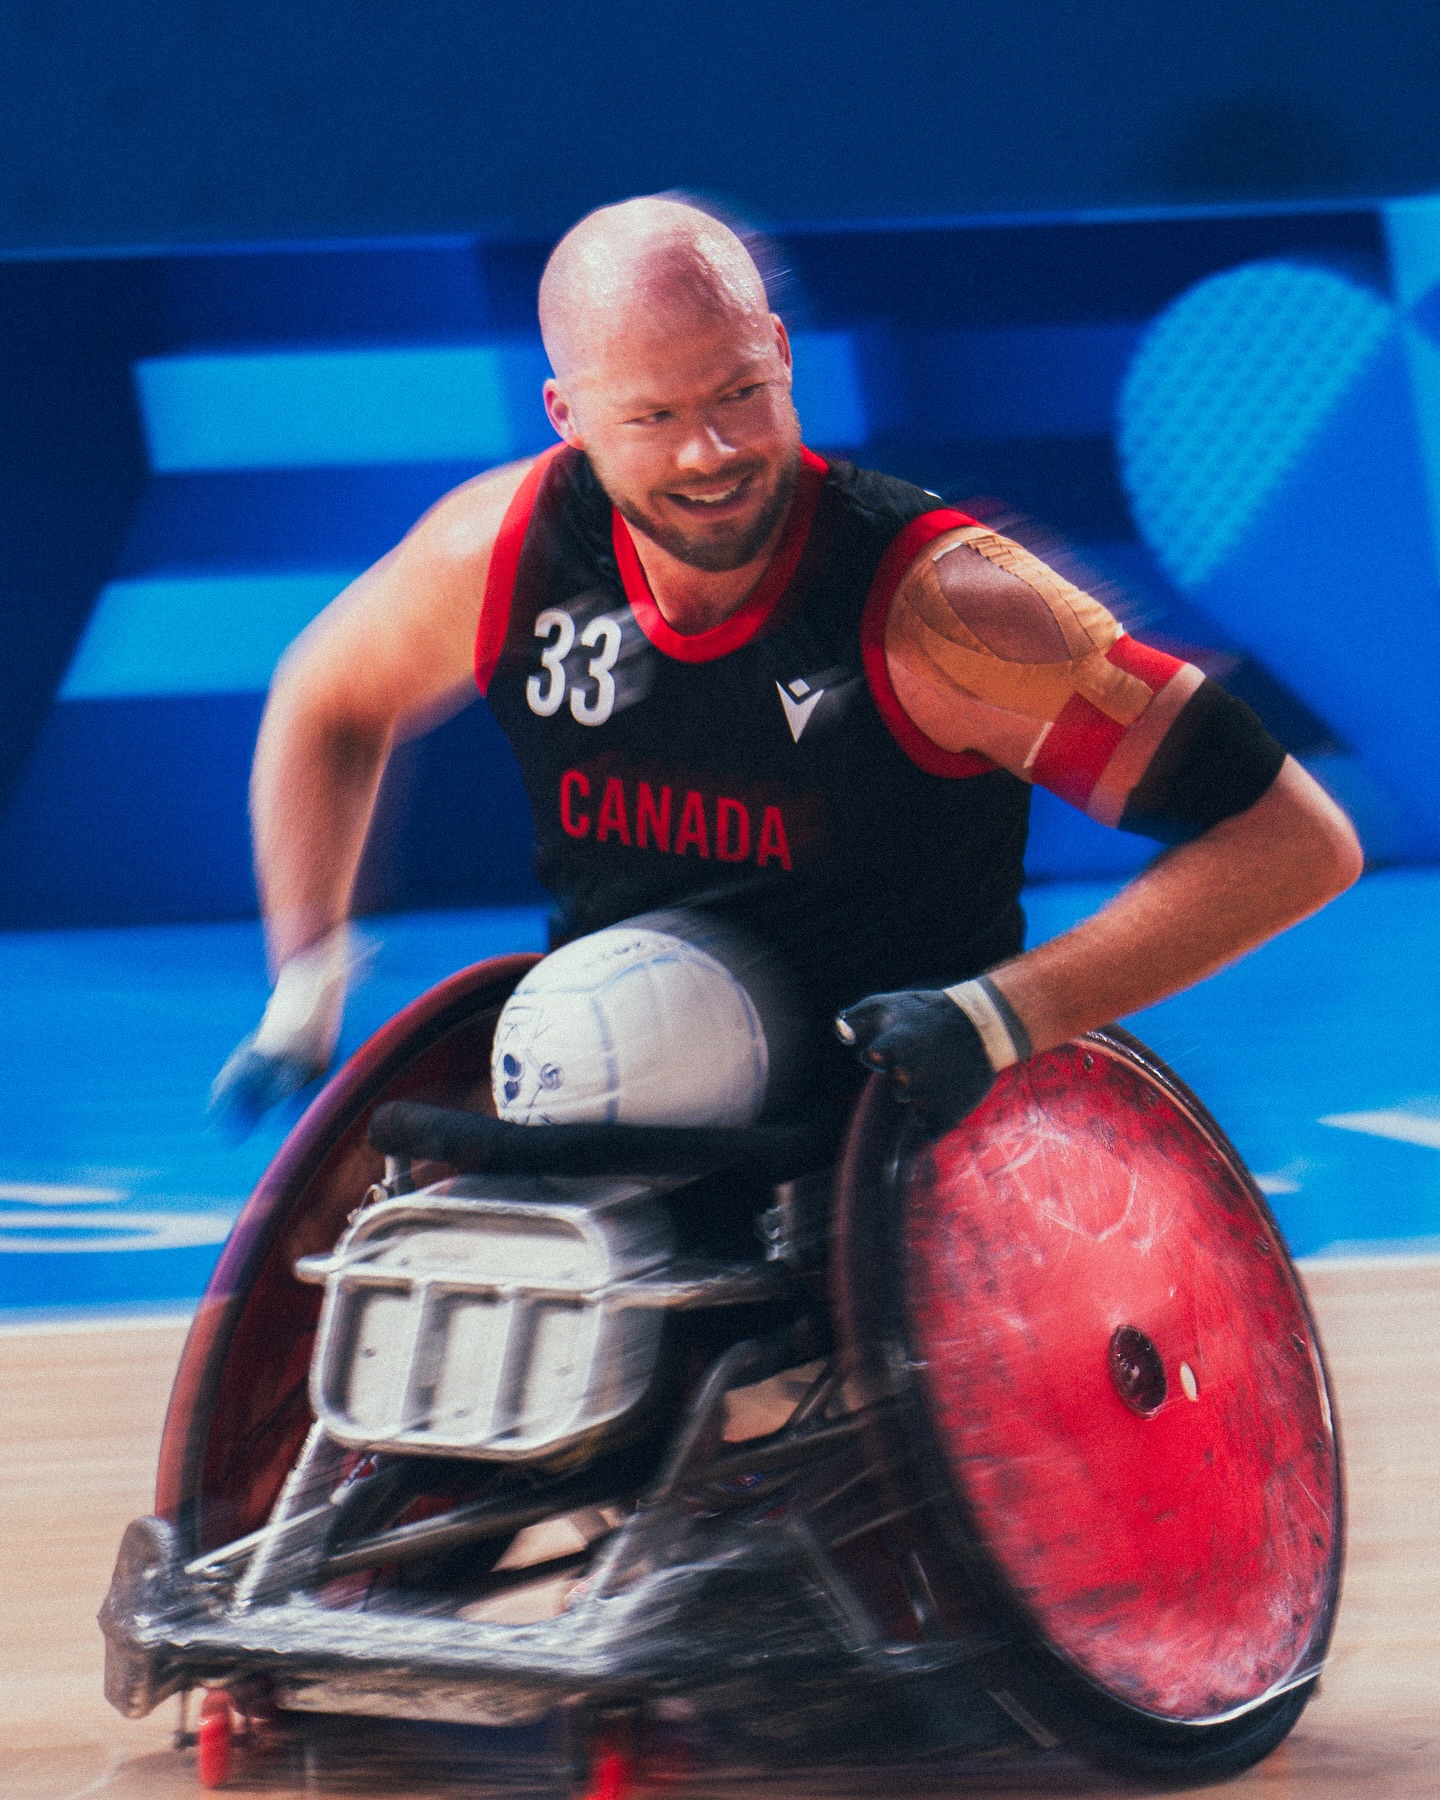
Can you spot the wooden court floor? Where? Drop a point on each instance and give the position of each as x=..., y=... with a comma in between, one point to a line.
x=80, y=1413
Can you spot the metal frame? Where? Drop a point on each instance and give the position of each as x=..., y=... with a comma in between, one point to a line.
x=613, y=1277
x=724, y=1581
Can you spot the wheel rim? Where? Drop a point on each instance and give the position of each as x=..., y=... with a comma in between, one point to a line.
x=1121, y=1378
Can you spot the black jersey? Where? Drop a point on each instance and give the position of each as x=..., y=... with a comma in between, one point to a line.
x=764, y=768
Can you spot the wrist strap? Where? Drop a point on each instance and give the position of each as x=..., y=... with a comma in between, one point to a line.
x=308, y=999
x=1002, y=1030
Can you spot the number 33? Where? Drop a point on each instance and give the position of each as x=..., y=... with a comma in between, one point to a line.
x=544, y=695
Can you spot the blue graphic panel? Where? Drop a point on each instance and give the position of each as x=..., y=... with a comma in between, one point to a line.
x=829, y=396
x=1273, y=440
x=1412, y=236
x=281, y=521
x=1021, y=381
x=1333, y=585
x=135, y=810
x=205, y=634
x=1229, y=388
x=296, y=409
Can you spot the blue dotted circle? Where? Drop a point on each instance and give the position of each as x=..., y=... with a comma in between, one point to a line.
x=1228, y=387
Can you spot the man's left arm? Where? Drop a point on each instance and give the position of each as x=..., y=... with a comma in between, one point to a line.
x=1198, y=907
x=989, y=649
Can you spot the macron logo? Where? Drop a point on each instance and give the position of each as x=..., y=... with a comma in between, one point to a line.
x=799, y=702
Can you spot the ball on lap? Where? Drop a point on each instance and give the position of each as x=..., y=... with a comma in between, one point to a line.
x=631, y=1025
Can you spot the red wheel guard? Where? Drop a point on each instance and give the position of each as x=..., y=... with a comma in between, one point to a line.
x=1124, y=1384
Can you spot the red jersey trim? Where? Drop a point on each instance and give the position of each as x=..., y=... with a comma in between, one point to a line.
x=499, y=593
x=903, y=550
x=1154, y=667
x=751, y=616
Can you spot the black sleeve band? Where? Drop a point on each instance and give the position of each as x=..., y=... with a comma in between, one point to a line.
x=1215, y=761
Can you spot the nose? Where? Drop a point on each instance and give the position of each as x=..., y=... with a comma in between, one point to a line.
x=704, y=450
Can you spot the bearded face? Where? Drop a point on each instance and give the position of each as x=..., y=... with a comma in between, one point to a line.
x=718, y=528
x=687, y=419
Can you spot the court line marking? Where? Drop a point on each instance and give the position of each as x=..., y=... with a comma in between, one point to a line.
x=1396, y=1122
x=49, y=1193
x=114, y=1232
x=1409, y=1250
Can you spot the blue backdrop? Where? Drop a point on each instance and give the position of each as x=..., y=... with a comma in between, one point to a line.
x=186, y=121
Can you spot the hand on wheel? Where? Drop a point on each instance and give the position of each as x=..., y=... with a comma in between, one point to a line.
x=940, y=1047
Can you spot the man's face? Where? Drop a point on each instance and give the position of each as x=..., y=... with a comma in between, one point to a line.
x=686, y=416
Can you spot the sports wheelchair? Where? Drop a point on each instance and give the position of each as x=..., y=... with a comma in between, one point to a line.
x=1015, y=1443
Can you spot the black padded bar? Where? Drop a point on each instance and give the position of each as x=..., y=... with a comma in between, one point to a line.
x=474, y=1144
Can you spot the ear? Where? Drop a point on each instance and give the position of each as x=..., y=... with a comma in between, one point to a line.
x=782, y=343
x=558, y=411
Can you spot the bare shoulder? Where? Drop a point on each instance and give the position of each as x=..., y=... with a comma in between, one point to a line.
x=403, y=634
x=981, y=589
x=986, y=644
x=460, y=529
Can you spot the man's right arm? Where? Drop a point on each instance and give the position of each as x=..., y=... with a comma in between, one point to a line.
x=386, y=660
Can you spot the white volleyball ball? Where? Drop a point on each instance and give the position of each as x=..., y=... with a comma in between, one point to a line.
x=632, y=1026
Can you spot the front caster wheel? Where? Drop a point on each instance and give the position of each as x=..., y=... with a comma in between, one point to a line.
x=215, y=1739
x=601, y=1756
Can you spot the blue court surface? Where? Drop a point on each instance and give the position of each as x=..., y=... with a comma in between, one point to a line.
x=1318, y=1054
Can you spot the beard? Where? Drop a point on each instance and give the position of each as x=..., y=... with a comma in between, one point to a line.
x=721, y=547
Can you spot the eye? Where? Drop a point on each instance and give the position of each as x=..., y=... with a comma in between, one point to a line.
x=749, y=391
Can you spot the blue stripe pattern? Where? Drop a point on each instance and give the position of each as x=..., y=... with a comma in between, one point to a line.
x=198, y=634
x=303, y=409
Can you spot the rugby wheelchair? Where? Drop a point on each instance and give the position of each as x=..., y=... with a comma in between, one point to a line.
x=1015, y=1444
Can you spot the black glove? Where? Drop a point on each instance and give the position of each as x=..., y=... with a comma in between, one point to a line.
x=934, y=1056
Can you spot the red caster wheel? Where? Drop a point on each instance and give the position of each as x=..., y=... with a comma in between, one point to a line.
x=215, y=1740
x=600, y=1757
x=612, y=1775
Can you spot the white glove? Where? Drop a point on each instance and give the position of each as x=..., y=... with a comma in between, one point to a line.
x=297, y=1035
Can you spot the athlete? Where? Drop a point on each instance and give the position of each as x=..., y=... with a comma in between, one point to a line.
x=808, y=696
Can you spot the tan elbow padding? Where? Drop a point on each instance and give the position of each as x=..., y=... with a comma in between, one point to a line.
x=924, y=625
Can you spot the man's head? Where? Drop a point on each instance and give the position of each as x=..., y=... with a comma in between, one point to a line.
x=673, y=375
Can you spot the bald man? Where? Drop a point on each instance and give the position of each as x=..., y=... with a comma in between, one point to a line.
x=741, y=676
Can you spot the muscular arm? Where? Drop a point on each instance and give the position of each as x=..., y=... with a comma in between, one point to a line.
x=388, y=658
x=1200, y=906
x=990, y=650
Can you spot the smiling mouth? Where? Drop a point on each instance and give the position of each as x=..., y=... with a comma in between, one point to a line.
x=717, y=499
